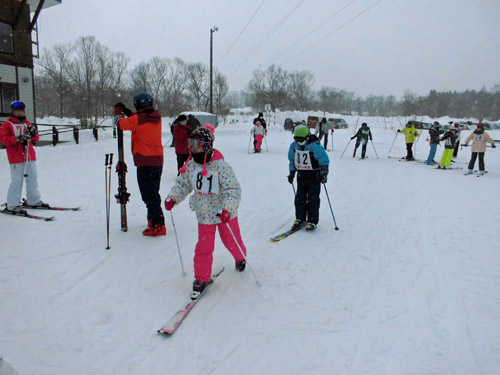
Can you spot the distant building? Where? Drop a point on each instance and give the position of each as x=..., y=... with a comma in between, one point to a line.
x=18, y=47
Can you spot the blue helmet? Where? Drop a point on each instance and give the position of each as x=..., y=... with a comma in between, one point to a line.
x=17, y=105
x=143, y=100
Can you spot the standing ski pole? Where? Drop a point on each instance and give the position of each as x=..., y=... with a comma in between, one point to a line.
x=331, y=209
x=243, y=254
x=345, y=148
x=249, y=143
x=108, y=164
x=416, y=143
x=177, y=240
x=293, y=187
x=374, y=148
x=393, y=142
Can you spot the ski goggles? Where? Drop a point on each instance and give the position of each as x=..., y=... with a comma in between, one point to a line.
x=299, y=139
x=17, y=105
x=195, y=143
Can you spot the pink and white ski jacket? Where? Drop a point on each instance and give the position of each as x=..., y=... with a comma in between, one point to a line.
x=218, y=190
x=9, y=131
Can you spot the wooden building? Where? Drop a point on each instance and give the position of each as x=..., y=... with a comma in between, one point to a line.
x=18, y=47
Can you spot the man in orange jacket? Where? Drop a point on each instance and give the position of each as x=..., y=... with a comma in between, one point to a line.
x=147, y=149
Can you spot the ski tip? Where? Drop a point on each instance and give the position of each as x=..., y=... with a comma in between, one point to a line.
x=164, y=332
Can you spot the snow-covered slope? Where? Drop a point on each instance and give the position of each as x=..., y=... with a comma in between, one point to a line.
x=408, y=285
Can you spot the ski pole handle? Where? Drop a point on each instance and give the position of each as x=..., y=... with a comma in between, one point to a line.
x=106, y=161
x=111, y=159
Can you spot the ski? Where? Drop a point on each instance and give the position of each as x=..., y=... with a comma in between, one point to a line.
x=284, y=235
x=48, y=207
x=171, y=326
x=24, y=213
x=448, y=168
x=121, y=168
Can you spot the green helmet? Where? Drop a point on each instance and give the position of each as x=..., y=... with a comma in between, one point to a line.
x=301, y=131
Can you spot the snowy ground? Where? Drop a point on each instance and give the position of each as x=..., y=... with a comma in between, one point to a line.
x=409, y=285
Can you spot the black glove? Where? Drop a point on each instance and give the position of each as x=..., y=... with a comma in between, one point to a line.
x=126, y=111
x=466, y=145
x=324, y=178
x=493, y=146
x=291, y=176
x=371, y=139
x=353, y=138
x=24, y=138
x=399, y=130
x=32, y=131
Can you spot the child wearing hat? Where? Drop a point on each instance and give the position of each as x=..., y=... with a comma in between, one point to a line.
x=216, y=197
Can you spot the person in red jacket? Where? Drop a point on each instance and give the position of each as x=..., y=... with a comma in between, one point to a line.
x=147, y=149
x=18, y=137
x=182, y=132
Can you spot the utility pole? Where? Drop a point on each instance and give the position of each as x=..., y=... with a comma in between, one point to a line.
x=212, y=31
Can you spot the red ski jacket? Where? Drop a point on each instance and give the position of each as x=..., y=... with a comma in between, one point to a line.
x=181, y=135
x=9, y=131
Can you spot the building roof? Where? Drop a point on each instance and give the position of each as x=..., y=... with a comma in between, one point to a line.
x=48, y=3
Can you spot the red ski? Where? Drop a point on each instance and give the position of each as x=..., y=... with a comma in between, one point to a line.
x=176, y=320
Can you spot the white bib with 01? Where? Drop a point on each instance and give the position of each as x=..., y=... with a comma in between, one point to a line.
x=303, y=160
x=208, y=184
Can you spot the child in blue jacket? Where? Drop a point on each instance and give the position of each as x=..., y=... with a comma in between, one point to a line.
x=309, y=160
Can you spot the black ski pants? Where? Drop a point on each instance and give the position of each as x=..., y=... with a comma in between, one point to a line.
x=364, y=143
x=181, y=159
x=409, y=151
x=307, y=203
x=325, y=141
x=149, y=179
x=474, y=158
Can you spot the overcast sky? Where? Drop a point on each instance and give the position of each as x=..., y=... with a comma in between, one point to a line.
x=397, y=44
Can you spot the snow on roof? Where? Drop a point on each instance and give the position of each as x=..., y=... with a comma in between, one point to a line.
x=197, y=113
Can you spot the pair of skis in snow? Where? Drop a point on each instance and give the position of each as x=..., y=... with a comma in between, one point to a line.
x=25, y=213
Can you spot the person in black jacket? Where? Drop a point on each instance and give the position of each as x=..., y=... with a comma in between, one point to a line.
x=260, y=119
x=364, y=133
x=434, y=133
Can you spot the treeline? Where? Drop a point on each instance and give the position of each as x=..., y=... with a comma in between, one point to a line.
x=85, y=79
x=293, y=90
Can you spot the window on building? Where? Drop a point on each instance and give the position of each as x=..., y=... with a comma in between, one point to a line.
x=7, y=96
x=6, y=38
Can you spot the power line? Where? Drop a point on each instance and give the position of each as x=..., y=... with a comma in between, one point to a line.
x=242, y=31
x=333, y=32
x=311, y=32
x=266, y=38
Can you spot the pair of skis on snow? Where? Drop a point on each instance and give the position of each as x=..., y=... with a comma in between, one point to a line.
x=25, y=213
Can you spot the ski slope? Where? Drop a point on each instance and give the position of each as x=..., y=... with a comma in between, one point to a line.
x=408, y=285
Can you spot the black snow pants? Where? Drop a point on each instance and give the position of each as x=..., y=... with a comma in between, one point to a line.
x=364, y=143
x=149, y=179
x=409, y=151
x=474, y=158
x=307, y=202
x=181, y=159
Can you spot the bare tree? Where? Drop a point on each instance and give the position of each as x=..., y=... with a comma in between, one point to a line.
x=54, y=64
x=300, y=89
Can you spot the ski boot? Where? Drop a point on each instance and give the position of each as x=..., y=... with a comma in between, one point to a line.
x=310, y=227
x=18, y=209
x=198, y=288
x=41, y=204
x=240, y=266
x=297, y=224
x=481, y=173
x=470, y=171
x=155, y=231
